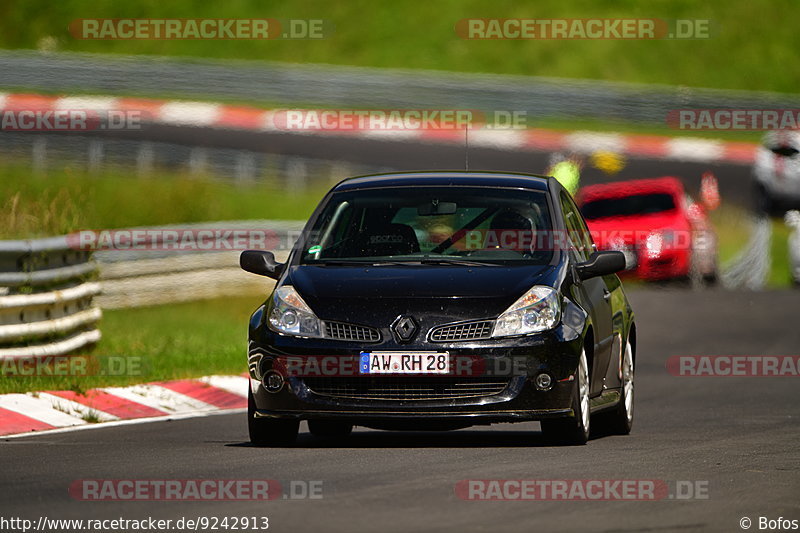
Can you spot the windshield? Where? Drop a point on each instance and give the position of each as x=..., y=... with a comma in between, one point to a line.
x=626, y=206
x=430, y=225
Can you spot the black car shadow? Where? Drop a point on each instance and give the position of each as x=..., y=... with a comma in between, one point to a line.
x=462, y=438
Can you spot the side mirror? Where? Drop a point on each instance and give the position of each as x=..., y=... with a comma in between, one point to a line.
x=262, y=263
x=601, y=264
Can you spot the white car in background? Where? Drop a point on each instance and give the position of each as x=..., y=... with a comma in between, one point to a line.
x=792, y=220
x=777, y=172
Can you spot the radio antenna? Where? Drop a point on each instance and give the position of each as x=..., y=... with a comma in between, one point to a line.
x=466, y=147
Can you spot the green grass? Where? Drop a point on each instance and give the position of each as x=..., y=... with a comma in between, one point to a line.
x=66, y=200
x=160, y=343
x=752, y=46
x=780, y=274
x=732, y=225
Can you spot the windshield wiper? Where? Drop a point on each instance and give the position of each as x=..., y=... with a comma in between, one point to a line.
x=460, y=262
x=335, y=262
x=411, y=262
x=362, y=262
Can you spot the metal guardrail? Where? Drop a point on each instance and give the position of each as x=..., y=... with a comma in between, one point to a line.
x=337, y=86
x=293, y=173
x=177, y=279
x=46, y=298
x=146, y=276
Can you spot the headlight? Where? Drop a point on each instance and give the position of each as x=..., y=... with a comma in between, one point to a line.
x=659, y=241
x=291, y=315
x=539, y=309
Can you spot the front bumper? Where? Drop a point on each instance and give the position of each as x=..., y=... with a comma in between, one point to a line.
x=555, y=352
x=664, y=266
x=645, y=265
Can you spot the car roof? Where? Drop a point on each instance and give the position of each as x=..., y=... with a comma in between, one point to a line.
x=445, y=178
x=620, y=189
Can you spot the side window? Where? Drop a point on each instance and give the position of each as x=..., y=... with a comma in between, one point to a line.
x=587, y=239
x=579, y=238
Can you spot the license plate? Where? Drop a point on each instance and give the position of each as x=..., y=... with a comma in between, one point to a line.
x=404, y=363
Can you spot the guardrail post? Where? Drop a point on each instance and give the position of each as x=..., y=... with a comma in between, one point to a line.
x=145, y=158
x=95, y=155
x=39, y=154
x=296, y=175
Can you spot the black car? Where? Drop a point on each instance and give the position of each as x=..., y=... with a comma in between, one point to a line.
x=442, y=300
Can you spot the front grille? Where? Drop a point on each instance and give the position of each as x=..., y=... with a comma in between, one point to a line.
x=351, y=332
x=406, y=388
x=467, y=331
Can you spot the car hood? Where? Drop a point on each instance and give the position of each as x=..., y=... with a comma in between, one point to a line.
x=377, y=294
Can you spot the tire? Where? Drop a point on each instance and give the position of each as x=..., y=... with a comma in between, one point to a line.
x=269, y=432
x=573, y=430
x=620, y=420
x=329, y=429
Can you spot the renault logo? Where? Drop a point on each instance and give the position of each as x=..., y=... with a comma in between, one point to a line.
x=404, y=328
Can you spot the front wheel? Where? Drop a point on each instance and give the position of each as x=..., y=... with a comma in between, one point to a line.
x=573, y=430
x=269, y=432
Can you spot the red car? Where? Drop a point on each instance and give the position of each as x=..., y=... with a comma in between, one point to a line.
x=662, y=231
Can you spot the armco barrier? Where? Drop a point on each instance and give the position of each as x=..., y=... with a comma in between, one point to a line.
x=47, y=295
x=151, y=276
x=291, y=84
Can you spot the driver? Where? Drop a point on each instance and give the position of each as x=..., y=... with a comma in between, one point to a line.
x=511, y=230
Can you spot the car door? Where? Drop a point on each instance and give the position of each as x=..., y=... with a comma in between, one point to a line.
x=594, y=293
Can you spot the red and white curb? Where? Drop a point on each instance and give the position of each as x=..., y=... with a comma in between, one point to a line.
x=22, y=414
x=213, y=115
